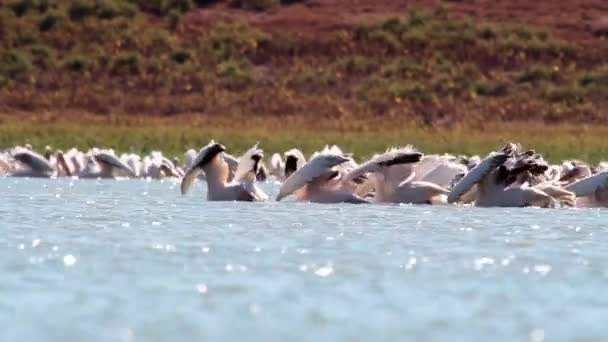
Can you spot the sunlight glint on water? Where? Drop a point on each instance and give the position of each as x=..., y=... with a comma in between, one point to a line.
x=136, y=261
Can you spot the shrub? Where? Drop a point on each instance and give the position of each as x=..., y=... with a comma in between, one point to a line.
x=567, y=94
x=50, y=22
x=15, y=65
x=595, y=79
x=108, y=9
x=127, y=63
x=42, y=56
x=235, y=73
x=164, y=7
x=81, y=9
x=409, y=90
x=181, y=56
x=233, y=41
x=21, y=7
x=78, y=64
x=257, y=5
x=534, y=74
x=401, y=68
x=489, y=88
x=357, y=65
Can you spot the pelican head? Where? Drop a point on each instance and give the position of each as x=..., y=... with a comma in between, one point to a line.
x=202, y=159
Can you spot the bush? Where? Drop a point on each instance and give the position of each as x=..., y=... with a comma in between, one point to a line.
x=235, y=73
x=488, y=88
x=567, y=94
x=23, y=6
x=401, y=68
x=15, y=65
x=81, y=9
x=42, y=56
x=181, y=56
x=594, y=78
x=409, y=90
x=104, y=9
x=127, y=63
x=50, y=22
x=233, y=41
x=108, y=9
x=164, y=7
x=78, y=64
x=535, y=73
x=257, y=5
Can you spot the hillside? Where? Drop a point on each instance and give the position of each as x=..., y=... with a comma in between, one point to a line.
x=438, y=63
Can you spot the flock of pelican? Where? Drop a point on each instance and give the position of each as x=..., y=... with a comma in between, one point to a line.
x=508, y=177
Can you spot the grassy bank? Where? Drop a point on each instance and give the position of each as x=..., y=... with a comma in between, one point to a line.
x=175, y=136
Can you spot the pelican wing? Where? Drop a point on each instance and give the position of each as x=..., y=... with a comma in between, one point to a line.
x=382, y=161
x=444, y=173
x=477, y=174
x=232, y=161
x=248, y=165
x=317, y=166
x=113, y=161
x=589, y=185
x=189, y=178
x=34, y=161
x=276, y=165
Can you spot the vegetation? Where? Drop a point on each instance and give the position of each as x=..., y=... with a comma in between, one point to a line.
x=364, y=138
x=138, y=60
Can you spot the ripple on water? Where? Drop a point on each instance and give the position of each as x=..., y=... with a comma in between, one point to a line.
x=136, y=260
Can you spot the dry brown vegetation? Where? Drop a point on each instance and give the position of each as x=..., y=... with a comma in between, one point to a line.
x=433, y=63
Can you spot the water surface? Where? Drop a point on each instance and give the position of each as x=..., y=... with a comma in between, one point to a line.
x=136, y=261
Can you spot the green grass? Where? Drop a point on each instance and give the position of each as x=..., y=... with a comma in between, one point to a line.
x=565, y=142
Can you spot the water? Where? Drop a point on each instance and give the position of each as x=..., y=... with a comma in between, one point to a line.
x=136, y=261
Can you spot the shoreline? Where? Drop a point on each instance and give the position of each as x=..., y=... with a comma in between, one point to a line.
x=174, y=135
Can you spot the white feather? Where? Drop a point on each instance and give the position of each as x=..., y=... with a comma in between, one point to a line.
x=245, y=172
x=589, y=185
x=476, y=175
x=317, y=166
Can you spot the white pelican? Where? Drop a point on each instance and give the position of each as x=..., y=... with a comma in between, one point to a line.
x=211, y=160
x=501, y=180
x=591, y=191
x=31, y=164
x=294, y=160
x=399, y=176
x=319, y=181
x=104, y=164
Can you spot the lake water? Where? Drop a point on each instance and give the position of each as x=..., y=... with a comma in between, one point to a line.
x=86, y=260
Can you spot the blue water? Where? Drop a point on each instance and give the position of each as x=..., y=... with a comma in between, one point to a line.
x=86, y=260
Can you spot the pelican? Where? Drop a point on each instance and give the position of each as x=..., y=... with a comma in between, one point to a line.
x=294, y=160
x=319, y=181
x=502, y=180
x=242, y=187
x=400, y=175
x=591, y=191
x=31, y=164
x=104, y=164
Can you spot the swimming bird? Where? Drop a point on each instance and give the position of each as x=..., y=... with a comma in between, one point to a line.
x=591, y=191
x=319, y=180
x=31, y=164
x=294, y=160
x=104, y=164
x=395, y=179
x=502, y=180
x=242, y=187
